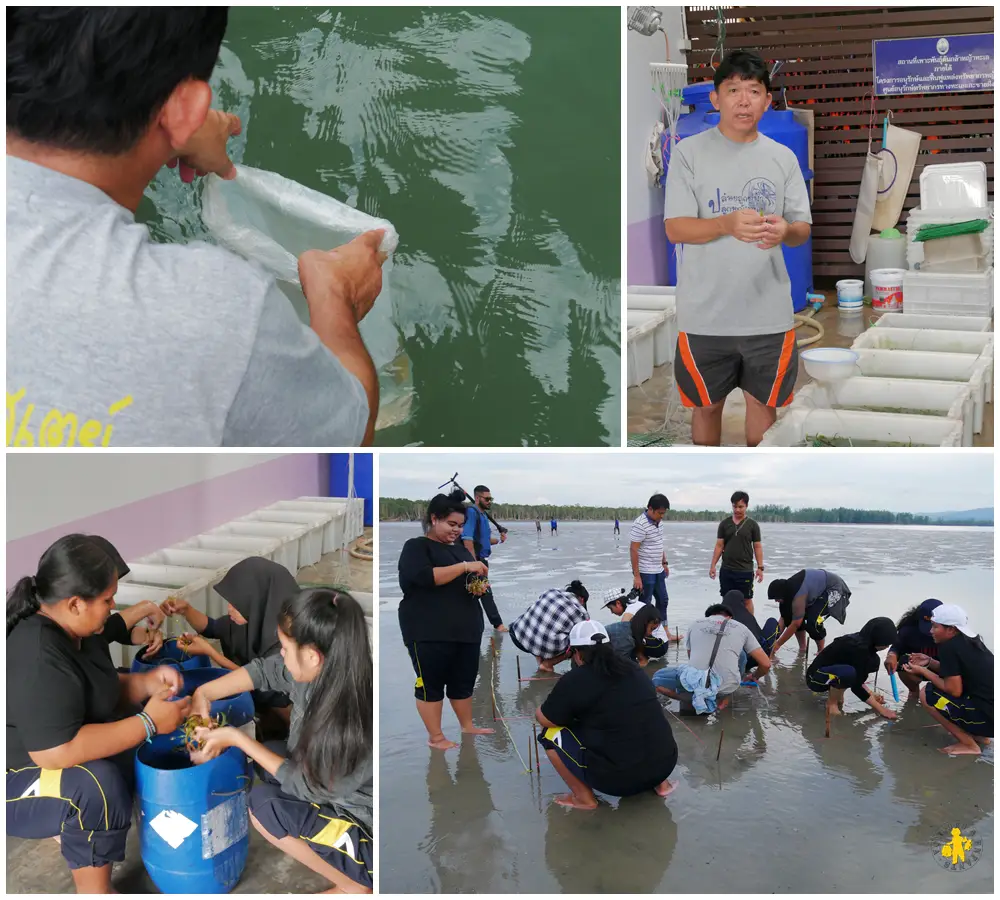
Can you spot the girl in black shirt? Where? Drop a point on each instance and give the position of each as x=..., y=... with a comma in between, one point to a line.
x=441, y=620
x=72, y=720
x=913, y=637
x=847, y=663
x=959, y=688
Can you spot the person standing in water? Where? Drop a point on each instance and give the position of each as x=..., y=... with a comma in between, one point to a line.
x=847, y=663
x=604, y=729
x=733, y=197
x=650, y=568
x=554, y=526
x=804, y=601
x=738, y=544
x=959, y=689
x=441, y=620
x=538, y=527
x=478, y=538
x=618, y=529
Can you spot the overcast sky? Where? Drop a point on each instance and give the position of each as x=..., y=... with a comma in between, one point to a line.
x=910, y=481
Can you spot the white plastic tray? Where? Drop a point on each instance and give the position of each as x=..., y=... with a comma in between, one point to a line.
x=953, y=184
x=924, y=339
x=310, y=539
x=798, y=425
x=950, y=399
x=335, y=530
x=255, y=539
x=936, y=293
x=937, y=323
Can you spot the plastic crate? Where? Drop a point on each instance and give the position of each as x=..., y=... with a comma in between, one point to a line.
x=271, y=540
x=949, y=399
x=939, y=294
x=335, y=531
x=799, y=425
x=310, y=540
x=641, y=353
x=924, y=339
x=663, y=340
x=938, y=323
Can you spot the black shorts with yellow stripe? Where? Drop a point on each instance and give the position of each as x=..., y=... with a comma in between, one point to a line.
x=89, y=807
x=708, y=368
x=965, y=712
x=335, y=837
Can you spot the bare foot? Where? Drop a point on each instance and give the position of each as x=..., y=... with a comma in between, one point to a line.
x=666, y=788
x=441, y=743
x=473, y=730
x=675, y=638
x=834, y=710
x=570, y=801
x=722, y=704
x=961, y=750
x=984, y=741
x=546, y=667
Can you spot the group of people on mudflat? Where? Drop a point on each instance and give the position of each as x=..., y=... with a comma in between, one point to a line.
x=603, y=728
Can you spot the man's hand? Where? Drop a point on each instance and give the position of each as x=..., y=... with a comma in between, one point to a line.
x=206, y=150
x=746, y=225
x=637, y=582
x=760, y=574
x=711, y=573
x=666, y=570
x=351, y=274
x=501, y=628
x=777, y=231
x=891, y=663
x=503, y=536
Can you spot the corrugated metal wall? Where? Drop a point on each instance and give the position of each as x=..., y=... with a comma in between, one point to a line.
x=827, y=54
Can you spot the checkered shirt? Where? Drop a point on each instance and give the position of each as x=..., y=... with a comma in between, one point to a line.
x=543, y=629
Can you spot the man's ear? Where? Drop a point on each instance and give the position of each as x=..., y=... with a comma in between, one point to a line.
x=714, y=97
x=185, y=111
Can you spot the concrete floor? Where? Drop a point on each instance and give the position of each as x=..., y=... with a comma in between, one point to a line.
x=648, y=403
x=37, y=867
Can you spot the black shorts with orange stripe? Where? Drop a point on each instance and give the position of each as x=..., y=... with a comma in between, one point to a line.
x=708, y=368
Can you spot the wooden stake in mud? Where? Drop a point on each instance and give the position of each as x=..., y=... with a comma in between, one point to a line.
x=517, y=659
x=718, y=752
x=534, y=737
x=828, y=721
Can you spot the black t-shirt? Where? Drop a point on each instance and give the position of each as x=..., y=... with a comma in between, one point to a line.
x=629, y=745
x=444, y=612
x=910, y=639
x=739, y=540
x=848, y=651
x=53, y=688
x=961, y=656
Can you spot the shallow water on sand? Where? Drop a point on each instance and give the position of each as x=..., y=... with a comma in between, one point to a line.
x=784, y=809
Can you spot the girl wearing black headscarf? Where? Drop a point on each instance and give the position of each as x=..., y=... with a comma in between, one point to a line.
x=254, y=588
x=628, y=639
x=848, y=662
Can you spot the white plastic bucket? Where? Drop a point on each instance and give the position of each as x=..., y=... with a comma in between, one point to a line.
x=887, y=289
x=850, y=293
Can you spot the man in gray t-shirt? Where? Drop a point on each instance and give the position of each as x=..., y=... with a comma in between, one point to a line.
x=114, y=340
x=732, y=198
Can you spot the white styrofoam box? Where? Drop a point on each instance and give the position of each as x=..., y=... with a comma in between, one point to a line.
x=662, y=347
x=310, y=541
x=255, y=539
x=951, y=399
x=937, y=293
x=938, y=323
x=926, y=365
x=924, y=339
x=798, y=425
x=953, y=184
x=641, y=353
x=334, y=532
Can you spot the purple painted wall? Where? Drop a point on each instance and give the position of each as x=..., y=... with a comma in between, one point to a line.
x=647, y=252
x=161, y=520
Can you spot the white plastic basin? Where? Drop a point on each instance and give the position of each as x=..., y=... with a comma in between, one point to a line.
x=826, y=364
x=335, y=530
x=255, y=539
x=937, y=323
x=306, y=528
x=944, y=341
x=847, y=427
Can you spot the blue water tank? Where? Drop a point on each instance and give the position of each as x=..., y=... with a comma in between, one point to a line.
x=170, y=655
x=778, y=125
x=193, y=820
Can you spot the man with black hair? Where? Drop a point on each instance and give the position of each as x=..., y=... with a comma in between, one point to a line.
x=650, y=568
x=733, y=197
x=115, y=339
x=737, y=543
x=476, y=534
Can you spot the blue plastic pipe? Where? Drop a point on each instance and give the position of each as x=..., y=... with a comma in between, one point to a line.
x=895, y=687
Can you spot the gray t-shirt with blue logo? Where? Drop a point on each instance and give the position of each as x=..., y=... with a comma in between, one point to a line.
x=728, y=287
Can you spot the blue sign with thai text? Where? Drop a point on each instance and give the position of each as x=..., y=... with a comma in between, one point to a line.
x=934, y=65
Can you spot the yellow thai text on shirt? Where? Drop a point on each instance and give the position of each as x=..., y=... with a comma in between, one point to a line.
x=58, y=429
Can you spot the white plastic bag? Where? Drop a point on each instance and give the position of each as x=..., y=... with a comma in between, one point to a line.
x=271, y=220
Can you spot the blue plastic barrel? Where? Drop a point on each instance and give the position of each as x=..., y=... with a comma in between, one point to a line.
x=194, y=824
x=780, y=126
x=202, y=809
x=171, y=654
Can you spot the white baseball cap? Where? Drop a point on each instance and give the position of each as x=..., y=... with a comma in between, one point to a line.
x=583, y=634
x=955, y=616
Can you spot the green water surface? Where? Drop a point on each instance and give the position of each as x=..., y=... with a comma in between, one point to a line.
x=490, y=139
